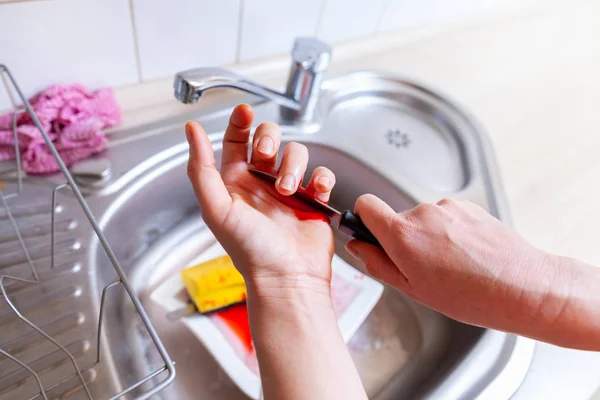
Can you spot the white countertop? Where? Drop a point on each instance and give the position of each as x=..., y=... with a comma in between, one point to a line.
x=534, y=83
x=561, y=374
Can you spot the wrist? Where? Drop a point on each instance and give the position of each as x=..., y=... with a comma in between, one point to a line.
x=577, y=323
x=288, y=292
x=292, y=307
x=567, y=313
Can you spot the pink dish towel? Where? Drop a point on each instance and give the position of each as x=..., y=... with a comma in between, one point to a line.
x=73, y=117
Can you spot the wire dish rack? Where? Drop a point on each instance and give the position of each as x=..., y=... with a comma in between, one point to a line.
x=27, y=275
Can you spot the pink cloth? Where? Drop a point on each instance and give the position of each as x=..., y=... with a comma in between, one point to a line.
x=72, y=116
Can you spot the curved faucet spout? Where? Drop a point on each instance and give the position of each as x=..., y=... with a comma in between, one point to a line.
x=310, y=60
x=189, y=86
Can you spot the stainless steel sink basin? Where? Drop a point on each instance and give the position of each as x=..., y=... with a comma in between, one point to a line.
x=379, y=134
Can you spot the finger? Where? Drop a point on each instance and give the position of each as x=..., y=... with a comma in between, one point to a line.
x=321, y=183
x=378, y=264
x=449, y=203
x=293, y=166
x=265, y=144
x=379, y=217
x=235, y=141
x=209, y=188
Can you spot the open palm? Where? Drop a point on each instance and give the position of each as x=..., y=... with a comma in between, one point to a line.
x=262, y=234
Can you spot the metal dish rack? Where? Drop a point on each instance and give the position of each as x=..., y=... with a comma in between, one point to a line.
x=33, y=278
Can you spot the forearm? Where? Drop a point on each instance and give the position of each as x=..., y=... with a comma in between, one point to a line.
x=300, y=350
x=570, y=312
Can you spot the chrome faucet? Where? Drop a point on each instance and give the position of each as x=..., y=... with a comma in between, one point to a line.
x=310, y=60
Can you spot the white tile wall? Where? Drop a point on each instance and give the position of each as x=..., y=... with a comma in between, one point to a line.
x=400, y=14
x=270, y=26
x=349, y=19
x=4, y=100
x=409, y=13
x=66, y=41
x=182, y=34
x=117, y=42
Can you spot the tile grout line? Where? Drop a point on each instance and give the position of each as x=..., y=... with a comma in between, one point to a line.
x=320, y=19
x=136, y=44
x=381, y=15
x=238, y=49
x=2, y=2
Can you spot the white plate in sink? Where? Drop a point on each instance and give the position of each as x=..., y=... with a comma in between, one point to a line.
x=354, y=295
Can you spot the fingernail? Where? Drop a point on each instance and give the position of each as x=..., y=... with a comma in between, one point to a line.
x=265, y=145
x=288, y=182
x=352, y=250
x=188, y=130
x=324, y=181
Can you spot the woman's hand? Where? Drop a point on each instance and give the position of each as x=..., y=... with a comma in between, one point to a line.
x=286, y=262
x=263, y=236
x=457, y=259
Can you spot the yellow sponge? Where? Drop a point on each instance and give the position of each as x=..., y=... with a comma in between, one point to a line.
x=214, y=284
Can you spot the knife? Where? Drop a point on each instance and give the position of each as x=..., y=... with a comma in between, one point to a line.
x=346, y=222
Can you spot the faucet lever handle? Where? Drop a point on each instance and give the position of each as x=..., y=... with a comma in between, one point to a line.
x=310, y=54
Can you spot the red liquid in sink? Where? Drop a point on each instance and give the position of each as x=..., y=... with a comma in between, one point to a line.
x=234, y=326
x=236, y=318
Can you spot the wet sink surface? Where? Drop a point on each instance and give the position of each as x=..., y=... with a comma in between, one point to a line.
x=380, y=135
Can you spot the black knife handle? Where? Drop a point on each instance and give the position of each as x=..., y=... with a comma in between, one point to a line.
x=351, y=225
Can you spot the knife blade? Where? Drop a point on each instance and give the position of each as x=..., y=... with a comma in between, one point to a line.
x=346, y=222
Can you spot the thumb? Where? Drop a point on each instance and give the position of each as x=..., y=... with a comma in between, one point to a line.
x=206, y=180
x=377, y=263
x=379, y=217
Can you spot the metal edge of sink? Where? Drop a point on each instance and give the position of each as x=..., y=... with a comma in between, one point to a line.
x=514, y=356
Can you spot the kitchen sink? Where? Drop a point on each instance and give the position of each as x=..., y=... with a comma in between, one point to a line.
x=380, y=134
